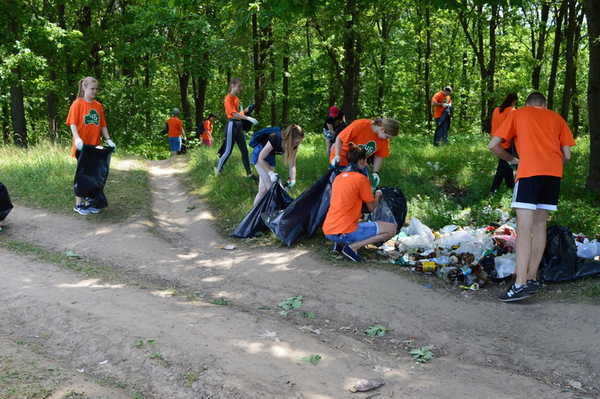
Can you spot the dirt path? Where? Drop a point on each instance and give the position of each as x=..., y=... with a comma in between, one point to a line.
x=485, y=349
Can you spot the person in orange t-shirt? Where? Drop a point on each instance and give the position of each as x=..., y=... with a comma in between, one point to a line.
x=442, y=109
x=544, y=142
x=348, y=192
x=504, y=171
x=234, y=129
x=207, y=130
x=88, y=124
x=174, y=130
x=372, y=135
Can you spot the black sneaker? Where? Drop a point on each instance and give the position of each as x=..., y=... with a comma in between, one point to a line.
x=337, y=248
x=533, y=286
x=81, y=209
x=351, y=254
x=515, y=294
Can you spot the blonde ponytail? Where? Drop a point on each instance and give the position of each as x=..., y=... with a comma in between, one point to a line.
x=289, y=135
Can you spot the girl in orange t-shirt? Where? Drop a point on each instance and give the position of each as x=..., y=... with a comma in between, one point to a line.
x=207, y=138
x=504, y=171
x=87, y=122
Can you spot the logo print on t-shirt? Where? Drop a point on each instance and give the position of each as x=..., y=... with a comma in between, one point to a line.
x=371, y=147
x=92, y=118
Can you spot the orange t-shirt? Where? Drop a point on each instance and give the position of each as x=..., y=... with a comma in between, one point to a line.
x=232, y=104
x=439, y=97
x=348, y=192
x=539, y=134
x=208, y=127
x=89, y=119
x=175, y=126
x=360, y=133
x=497, y=119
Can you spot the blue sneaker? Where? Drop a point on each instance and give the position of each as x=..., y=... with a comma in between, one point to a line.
x=93, y=210
x=81, y=209
x=351, y=254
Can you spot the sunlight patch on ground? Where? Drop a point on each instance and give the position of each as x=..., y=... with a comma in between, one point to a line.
x=90, y=283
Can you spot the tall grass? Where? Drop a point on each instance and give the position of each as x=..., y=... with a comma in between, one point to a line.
x=42, y=176
x=448, y=184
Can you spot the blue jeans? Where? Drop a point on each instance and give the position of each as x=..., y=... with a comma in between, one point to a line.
x=365, y=230
x=441, y=130
x=175, y=144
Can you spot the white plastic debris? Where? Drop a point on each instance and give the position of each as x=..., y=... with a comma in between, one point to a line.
x=505, y=265
x=588, y=249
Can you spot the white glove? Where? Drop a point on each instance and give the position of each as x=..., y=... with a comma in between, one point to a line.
x=111, y=143
x=335, y=161
x=514, y=161
x=273, y=176
x=252, y=120
x=446, y=105
x=291, y=183
x=78, y=143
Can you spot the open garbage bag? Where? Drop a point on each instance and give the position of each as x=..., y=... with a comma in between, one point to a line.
x=275, y=199
x=588, y=249
x=92, y=172
x=560, y=262
x=305, y=214
x=5, y=205
x=392, y=209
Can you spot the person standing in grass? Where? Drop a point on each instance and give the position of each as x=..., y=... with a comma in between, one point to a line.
x=329, y=126
x=88, y=124
x=175, y=132
x=350, y=189
x=504, y=171
x=269, y=142
x=442, y=108
x=207, y=125
x=372, y=135
x=544, y=142
x=234, y=133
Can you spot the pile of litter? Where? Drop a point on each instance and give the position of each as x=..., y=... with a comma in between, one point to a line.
x=472, y=257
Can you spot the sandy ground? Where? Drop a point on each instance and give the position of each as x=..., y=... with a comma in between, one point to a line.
x=130, y=339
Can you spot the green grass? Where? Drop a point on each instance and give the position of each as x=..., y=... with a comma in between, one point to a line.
x=42, y=176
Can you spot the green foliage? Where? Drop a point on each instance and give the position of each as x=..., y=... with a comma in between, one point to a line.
x=312, y=359
x=291, y=303
x=376, y=330
x=422, y=354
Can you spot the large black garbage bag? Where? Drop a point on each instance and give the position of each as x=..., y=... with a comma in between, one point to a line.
x=392, y=209
x=275, y=199
x=560, y=262
x=92, y=172
x=5, y=205
x=305, y=214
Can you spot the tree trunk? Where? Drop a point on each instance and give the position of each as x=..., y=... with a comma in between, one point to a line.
x=351, y=62
x=260, y=47
x=18, y=111
x=52, y=109
x=491, y=68
x=285, y=82
x=200, y=87
x=385, y=36
x=575, y=91
x=427, y=76
x=539, y=50
x=273, y=83
x=592, y=10
x=466, y=87
x=184, y=81
x=5, y=123
x=570, y=70
x=556, y=52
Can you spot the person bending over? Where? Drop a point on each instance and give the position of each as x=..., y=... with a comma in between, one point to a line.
x=544, y=142
x=269, y=142
x=371, y=135
x=350, y=189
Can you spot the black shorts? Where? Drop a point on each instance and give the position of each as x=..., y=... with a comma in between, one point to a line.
x=536, y=192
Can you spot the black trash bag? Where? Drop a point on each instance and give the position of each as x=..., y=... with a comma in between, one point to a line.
x=394, y=210
x=184, y=147
x=92, y=172
x=560, y=262
x=275, y=199
x=305, y=215
x=5, y=205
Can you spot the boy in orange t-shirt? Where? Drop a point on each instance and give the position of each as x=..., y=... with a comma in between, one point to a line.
x=372, y=135
x=87, y=123
x=174, y=127
x=348, y=192
x=504, y=171
x=544, y=142
x=442, y=106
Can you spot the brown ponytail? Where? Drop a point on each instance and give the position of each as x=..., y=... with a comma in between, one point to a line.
x=83, y=83
x=289, y=135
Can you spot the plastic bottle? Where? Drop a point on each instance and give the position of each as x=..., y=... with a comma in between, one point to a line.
x=426, y=267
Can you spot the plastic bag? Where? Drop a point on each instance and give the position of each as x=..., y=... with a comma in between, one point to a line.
x=505, y=266
x=560, y=261
x=5, y=205
x=275, y=199
x=588, y=250
x=471, y=241
x=418, y=236
x=93, y=165
x=305, y=214
x=383, y=213
x=396, y=203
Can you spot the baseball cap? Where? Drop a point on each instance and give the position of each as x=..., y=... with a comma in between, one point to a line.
x=333, y=111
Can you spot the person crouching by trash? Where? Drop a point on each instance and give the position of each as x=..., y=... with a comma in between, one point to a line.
x=371, y=135
x=87, y=123
x=349, y=190
x=269, y=142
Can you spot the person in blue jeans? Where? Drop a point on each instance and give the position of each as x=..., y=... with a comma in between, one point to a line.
x=350, y=189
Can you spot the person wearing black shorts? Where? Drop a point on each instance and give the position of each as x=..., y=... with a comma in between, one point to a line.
x=544, y=142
